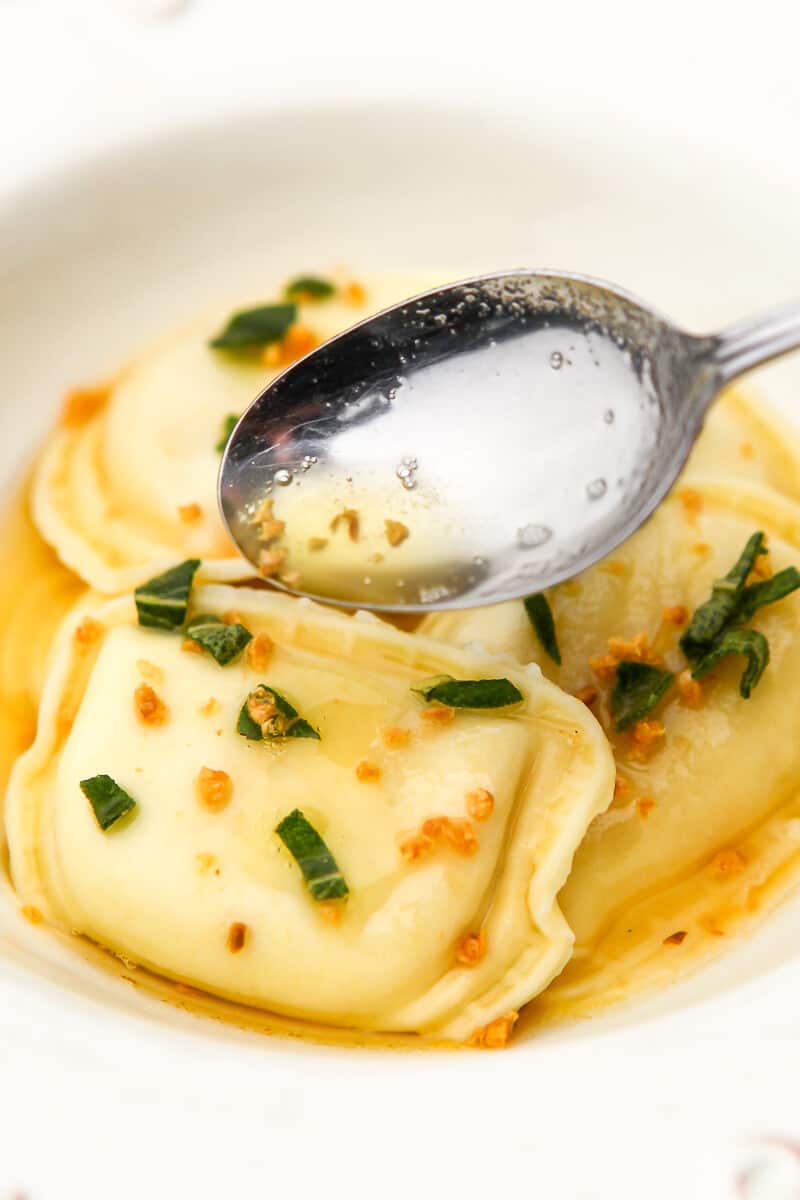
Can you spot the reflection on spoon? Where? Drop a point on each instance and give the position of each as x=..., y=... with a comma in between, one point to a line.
x=517, y=426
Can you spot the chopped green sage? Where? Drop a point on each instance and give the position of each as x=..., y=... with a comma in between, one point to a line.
x=540, y=616
x=309, y=287
x=162, y=602
x=254, y=327
x=281, y=719
x=468, y=693
x=226, y=429
x=223, y=642
x=638, y=688
x=747, y=642
x=319, y=868
x=109, y=801
x=712, y=617
x=767, y=591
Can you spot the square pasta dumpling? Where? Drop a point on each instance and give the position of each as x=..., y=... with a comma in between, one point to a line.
x=163, y=419
x=452, y=831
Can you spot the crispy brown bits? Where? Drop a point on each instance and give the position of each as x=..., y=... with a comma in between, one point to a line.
x=396, y=532
x=621, y=786
x=692, y=503
x=214, y=789
x=480, y=804
x=367, y=772
x=354, y=293
x=237, y=936
x=271, y=529
x=299, y=341
x=395, y=736
x=497, y=1034
x=604, y=666
x=317, y=543
x=191, y=647
x=613, y=567
x=454, y=832
x=350, y=518
x=87, y=634
x=471, y=948
x=190, y=514
x=209, y=708
x=439, y=714
x=691, y=691
x=678, y=614
x=747, y=450
x=81, y=404
x=290, y=578
x=259, y=651
x=675, y=939
x=264, y=512
x=412, y=847
x=644, y=736
x=331, y=911
x=150, y=708
x=645, y=805
x=271, y=561
x=32, y=914
x=587, y=695
x=261, y=706
x=637, y=649
x=726, y=863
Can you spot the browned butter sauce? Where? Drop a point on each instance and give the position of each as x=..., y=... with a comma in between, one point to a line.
x=660, y=938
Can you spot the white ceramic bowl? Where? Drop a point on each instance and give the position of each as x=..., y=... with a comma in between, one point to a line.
x=101, y=258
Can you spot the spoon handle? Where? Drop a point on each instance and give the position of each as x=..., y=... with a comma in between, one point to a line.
x=758, y=340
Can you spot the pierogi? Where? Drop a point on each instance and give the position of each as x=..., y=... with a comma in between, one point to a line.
x=366, y=828
x=166, y=887
x=127, y=486
x=722, y=765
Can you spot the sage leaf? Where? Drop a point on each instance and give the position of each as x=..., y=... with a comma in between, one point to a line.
x=319, y=868
x=747, y=642
x=161, y=603
x=540, y=616
x=638, y=688
x=254, y=327
x=468, y=693
x=223, y=642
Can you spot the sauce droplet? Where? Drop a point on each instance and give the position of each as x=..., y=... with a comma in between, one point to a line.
x=556, y=360
x=283, y=477
x=531, y=536
x=596, y=489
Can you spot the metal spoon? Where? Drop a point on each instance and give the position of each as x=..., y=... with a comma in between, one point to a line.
x=515, y=428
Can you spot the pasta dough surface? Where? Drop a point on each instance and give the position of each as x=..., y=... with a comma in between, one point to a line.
x=165, y=887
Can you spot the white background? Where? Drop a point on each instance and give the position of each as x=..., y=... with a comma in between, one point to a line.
x=75, y=74
x=79, y=75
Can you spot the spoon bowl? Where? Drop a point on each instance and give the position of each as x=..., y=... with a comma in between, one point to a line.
x=476, y=443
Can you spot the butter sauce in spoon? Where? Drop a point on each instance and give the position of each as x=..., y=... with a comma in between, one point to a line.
x=476, y=443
